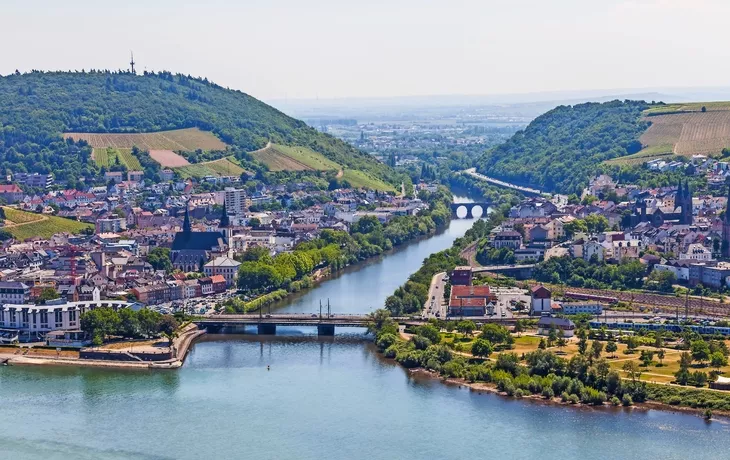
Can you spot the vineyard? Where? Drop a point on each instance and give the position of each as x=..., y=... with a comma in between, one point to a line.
x=284, y=158
x=179, y=139
x=25, y=225
x=221, y=167
x=168, y=158
x=683, y=129
x=106, y=157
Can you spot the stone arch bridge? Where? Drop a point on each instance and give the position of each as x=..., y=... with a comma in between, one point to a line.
x=481, y=209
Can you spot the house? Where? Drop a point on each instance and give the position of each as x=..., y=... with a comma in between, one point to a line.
x=541, y=300
x=135, y=176
x=115, y=176
x=11, y=193
x=470, y=300
x=13, y=292
x=507, y=239
x=461, y=276
x=680, y=268
x=224, y=266
x=219, y=283
x=697, y=251
x=206, y=285
x=562, y=325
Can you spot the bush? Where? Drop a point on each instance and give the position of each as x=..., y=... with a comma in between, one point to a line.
x=627, y=401
x=519, y=393
x=564, y=396
x=391, y=352
x=547, y=393
x=385, y=341
x=615, y=401
x=573, y=399
x=421, y=343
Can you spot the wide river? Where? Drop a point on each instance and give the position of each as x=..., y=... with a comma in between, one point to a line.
x=329, y=398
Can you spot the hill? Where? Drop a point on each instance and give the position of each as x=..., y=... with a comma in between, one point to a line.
x=121, y=110
x=561, y=149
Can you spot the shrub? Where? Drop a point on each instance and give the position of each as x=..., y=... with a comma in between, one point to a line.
x=547, y=393
x=615, y=401
x=385, y=341
x=420, y=342
x=564, y=396
x=573, y=399
x=627, y=401
x=519, y=393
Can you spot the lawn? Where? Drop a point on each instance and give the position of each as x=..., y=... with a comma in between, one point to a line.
x=360, y=179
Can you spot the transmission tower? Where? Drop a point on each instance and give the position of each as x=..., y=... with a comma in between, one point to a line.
x=131, y=62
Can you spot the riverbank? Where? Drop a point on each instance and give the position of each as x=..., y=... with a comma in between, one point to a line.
x=181, y=347
x=483, y=387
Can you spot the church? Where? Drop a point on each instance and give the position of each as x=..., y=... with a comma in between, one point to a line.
x=191, y=250
x=680, y=213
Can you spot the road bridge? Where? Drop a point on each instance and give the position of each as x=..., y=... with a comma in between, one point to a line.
x=266, y=324
x=526, y=190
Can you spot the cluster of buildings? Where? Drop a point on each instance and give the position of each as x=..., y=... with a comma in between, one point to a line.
x=666, y=228
x=204, y=233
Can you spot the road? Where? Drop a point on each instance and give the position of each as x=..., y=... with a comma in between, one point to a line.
x=435, y=306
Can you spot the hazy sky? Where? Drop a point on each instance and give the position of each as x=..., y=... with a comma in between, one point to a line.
x=275, y=49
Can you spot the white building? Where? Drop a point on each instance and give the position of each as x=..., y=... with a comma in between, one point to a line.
x=696, y=251
x=237, y=201
x=224, y=266
x=14, y=292
x=55, y=315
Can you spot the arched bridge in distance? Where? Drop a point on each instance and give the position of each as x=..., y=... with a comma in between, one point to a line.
x=470, y=208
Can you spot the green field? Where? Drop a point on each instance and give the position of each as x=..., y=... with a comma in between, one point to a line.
x=221, y=167
x=26, y=225
x=106, y=157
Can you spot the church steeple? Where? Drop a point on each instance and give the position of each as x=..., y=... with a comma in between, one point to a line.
x=187, y=228
x=225, y=221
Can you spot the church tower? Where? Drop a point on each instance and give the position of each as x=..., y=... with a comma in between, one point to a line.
x=726, y=229
x=687, y=205
x=187, y=228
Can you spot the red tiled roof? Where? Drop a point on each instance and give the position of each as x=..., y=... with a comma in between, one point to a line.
x=12, y=188
x=470, y=291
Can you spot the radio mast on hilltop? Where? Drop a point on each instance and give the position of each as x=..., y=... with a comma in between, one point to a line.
x=131, y=62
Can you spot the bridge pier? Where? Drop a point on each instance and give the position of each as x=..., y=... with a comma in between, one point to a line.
x=267, y=329
x=326, y=329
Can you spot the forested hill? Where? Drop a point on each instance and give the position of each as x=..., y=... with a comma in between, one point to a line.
x=561, y=149
x=37, y=107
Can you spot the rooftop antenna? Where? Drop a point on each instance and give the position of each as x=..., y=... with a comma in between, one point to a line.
x=131, y=62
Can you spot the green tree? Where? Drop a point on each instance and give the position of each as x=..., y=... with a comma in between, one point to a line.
x=100, y=322
x=718, y=360
x=129, y=325
x=159, y=258
x=611, y=347
x=482, y=347
x=596, y=349
x=48, y=293
x=660, y=354
x=430, y=332
x=700, y=351
x=466, y=327
x=168, y=327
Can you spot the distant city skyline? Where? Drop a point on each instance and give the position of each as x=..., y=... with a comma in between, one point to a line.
x=284, y=49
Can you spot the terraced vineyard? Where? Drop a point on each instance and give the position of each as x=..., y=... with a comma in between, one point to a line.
x=107, y=157
x=188, y=139
x=285, y=158
x=221, y=167
x=25, y=225
x=683, y=129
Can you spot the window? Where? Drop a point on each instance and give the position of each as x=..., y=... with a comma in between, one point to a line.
x=58, y=316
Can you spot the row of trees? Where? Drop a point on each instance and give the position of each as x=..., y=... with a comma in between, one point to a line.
x=590, y=274
x=101, y=323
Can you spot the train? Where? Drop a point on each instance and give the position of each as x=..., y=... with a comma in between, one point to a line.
x=704, y=330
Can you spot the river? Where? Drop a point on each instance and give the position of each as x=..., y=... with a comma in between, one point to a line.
x=323, y=398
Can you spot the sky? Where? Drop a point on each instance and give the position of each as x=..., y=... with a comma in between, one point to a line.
x=307, y=49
